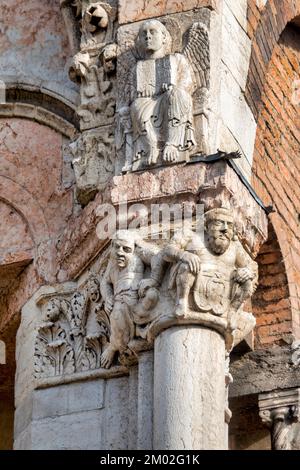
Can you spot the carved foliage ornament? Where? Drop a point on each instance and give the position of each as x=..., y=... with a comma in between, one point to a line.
x=72, y=335
x=146, y=288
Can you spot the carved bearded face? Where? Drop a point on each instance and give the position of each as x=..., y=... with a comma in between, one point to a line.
x=220, y=232
x=152, y=36
x=122, y=251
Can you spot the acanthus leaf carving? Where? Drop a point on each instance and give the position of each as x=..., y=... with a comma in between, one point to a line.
x=70, y=339
x=53, y=355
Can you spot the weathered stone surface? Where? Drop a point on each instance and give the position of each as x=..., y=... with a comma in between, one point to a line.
x=116, y=419
x=93, y=162
x=235, y=112
x=145, y=401
x=35, y=46
x=129, y=11
x=56, y=418
x=78, y=431
x=31, y=317
x=263, y=371
x=239, y=10
x=36, y=165
x=197, y=423
x=67, y=399
x=236, y=45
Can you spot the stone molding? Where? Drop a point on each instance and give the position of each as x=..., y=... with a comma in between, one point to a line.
x=40, y=115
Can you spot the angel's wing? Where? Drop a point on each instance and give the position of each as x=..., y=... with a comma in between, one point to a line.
x=198, y=54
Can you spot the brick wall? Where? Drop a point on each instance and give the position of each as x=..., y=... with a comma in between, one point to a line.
x=276, y=178
x=271, y=304
x=253, y=17
x=265, y=30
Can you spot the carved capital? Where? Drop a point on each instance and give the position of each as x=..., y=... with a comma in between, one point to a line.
x=279, y=410
x=72, y=332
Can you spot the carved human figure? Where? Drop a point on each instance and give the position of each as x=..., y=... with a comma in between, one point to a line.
x=161, y=106
x=120, y=291
x=217, y=270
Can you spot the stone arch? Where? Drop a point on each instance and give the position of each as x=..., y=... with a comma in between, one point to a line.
x=271, y=302
x=274, y=18
x=49, y=108
x=24, y=203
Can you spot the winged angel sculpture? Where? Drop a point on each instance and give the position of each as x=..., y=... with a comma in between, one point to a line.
x=155, y=115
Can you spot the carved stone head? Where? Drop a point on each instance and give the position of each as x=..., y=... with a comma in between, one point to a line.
x=122, y=248
x=153, y=39
x=96, y=17
x=52, y=310
x=219, y=224
x=93, y=289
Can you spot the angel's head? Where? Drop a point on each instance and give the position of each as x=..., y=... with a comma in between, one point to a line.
x=153, y=39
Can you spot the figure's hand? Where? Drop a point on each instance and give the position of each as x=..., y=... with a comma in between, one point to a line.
x=109, y=305
x=243, y=275
x=193, y=262
x=167, y=87
x=124, y=117
x=146, y=284
x=148, y=92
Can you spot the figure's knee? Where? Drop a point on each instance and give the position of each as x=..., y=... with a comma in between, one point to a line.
x=184, y=268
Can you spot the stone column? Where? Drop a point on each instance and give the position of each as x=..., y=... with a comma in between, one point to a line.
x=189, y=389
x=145, y=401
x=279, y=410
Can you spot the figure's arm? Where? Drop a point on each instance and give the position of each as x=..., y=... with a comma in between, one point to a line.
x=247, y=269
x=151, y=256
x=176, y=251
x=185, y=76
x=106, y=289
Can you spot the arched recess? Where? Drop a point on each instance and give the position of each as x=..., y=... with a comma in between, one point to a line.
x=35, y=204
x=17, y=248
x=37, y=120
x=272, y=90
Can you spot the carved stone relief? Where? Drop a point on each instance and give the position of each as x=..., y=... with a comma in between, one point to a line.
x=93, y=162
x=147, y=287
x=159, y=91
x=97, y=106
x=93, y=66
x=72, y=334
x=279, y=410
